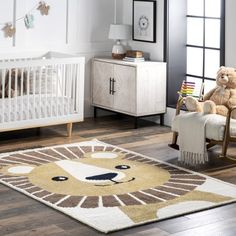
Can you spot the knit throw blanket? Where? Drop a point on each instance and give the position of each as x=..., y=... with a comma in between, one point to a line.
x=192, y=138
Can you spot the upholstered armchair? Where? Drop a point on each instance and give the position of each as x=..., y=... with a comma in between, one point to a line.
x=220, y=130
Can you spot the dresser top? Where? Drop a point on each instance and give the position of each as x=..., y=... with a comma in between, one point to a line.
x=121, y=62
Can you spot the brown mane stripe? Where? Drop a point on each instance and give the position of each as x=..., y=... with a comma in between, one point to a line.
x=90, y=202
x=21, y=160
x=76, y=151
x=27, y=185
x=109, y=149
x=32, y=190
x=194, y=182
x=86, y=149
x=161, y=195
x=178, y=172
x=171, y=190
x=129, y=155
x=182, y=186
x=145, y=198
x=98, y=148
x=54, y=198
x=128, y=200
x=72, y=201
x=65, y=152
x=9, y=162
x=9, y=178
x=188, y=176
x=152, y=162
x=135, y=158
x=39, y=159
x=41, y=194
x=110, y=201
x=143, y=160
x=18, y=183
x=41, y=155
x=52, y=153
x=24, y=157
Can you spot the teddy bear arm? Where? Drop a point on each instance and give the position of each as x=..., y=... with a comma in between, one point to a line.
x=222, y=110
x=208, y=95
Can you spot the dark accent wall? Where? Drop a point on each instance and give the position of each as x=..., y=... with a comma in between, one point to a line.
x=175, y=48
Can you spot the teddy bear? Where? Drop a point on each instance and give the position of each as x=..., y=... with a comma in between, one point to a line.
x=14, y=79
x=219, y=99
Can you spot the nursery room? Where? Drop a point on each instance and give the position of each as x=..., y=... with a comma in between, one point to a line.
x=117, y=117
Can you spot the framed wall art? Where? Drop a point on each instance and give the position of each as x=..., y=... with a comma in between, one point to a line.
x=144, y=20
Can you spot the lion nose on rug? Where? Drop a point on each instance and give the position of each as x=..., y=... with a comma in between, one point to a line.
x=107, y=176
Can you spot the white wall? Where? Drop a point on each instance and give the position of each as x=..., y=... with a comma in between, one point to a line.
x=87, y=30
x=124, y=15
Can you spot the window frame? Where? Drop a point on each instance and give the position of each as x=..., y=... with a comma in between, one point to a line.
x=221, y=48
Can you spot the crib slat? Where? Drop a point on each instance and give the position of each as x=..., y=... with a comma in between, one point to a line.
x=16, y=94
x=28, y=93
x=22, y=92
x=77, y=89
x=46, y=92
x=9, y=95
x=52, y=89
x=34, y=81
x=40, y=92
x=69, y=75
x=3, y=94
x=72, y=99
x=64, y=90
x=58, y=69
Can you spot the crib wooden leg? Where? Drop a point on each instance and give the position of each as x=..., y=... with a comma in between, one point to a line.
x=69, y=129
x=38, y=131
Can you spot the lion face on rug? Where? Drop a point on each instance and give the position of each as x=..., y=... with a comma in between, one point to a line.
x=105, y=180
x=97, y=173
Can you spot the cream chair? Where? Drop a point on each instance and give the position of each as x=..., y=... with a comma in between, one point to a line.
x=221, y=130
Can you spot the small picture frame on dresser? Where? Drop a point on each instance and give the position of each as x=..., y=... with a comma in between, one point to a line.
x=144, y=21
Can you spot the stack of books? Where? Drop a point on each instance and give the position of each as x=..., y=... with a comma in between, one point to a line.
x=134, y=56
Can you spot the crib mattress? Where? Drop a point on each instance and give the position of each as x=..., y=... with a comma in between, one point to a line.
x=30, y=107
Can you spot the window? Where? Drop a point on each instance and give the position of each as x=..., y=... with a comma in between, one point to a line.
x=205, y=41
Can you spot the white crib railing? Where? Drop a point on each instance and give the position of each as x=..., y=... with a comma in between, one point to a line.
x=43, y=91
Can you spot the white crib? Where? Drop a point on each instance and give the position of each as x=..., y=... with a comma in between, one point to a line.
x=43, y=90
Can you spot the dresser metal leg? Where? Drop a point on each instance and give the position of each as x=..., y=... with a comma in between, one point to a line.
x=135, y=122
x=95, y=112
x=162, y=119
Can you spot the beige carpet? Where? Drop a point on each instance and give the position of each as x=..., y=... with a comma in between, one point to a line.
x=109, y=188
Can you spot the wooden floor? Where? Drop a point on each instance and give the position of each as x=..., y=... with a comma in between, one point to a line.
x=21, y=215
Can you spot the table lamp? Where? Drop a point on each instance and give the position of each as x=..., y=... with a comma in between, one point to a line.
x=118, y=33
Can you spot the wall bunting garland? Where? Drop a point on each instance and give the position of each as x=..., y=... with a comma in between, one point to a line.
x=9, y=28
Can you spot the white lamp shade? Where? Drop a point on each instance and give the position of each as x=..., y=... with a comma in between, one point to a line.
x=120, y=32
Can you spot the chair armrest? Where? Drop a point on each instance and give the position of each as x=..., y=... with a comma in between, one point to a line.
x=228, y=119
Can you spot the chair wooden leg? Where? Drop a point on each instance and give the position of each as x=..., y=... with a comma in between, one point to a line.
x=174, y=141
x=69, y=129
x=174, y=138
x=224, y=147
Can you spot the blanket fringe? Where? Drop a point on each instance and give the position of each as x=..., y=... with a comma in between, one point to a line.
x=193, y=159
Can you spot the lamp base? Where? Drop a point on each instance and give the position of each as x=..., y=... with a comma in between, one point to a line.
x=118, y=51
x=118, y=56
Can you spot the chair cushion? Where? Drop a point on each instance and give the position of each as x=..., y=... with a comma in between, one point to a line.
x=214, y=127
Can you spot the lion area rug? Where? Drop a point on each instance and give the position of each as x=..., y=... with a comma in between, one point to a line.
x=110, y=188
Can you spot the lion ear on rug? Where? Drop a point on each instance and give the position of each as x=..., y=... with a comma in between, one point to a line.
x=18, y=170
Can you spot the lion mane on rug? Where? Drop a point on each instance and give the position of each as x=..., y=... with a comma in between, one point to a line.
x=102, y=178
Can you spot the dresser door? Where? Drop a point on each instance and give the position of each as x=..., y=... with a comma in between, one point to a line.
x=125, y=89
x=102, y=75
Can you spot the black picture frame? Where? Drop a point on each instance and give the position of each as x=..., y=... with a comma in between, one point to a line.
x=143, y=18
